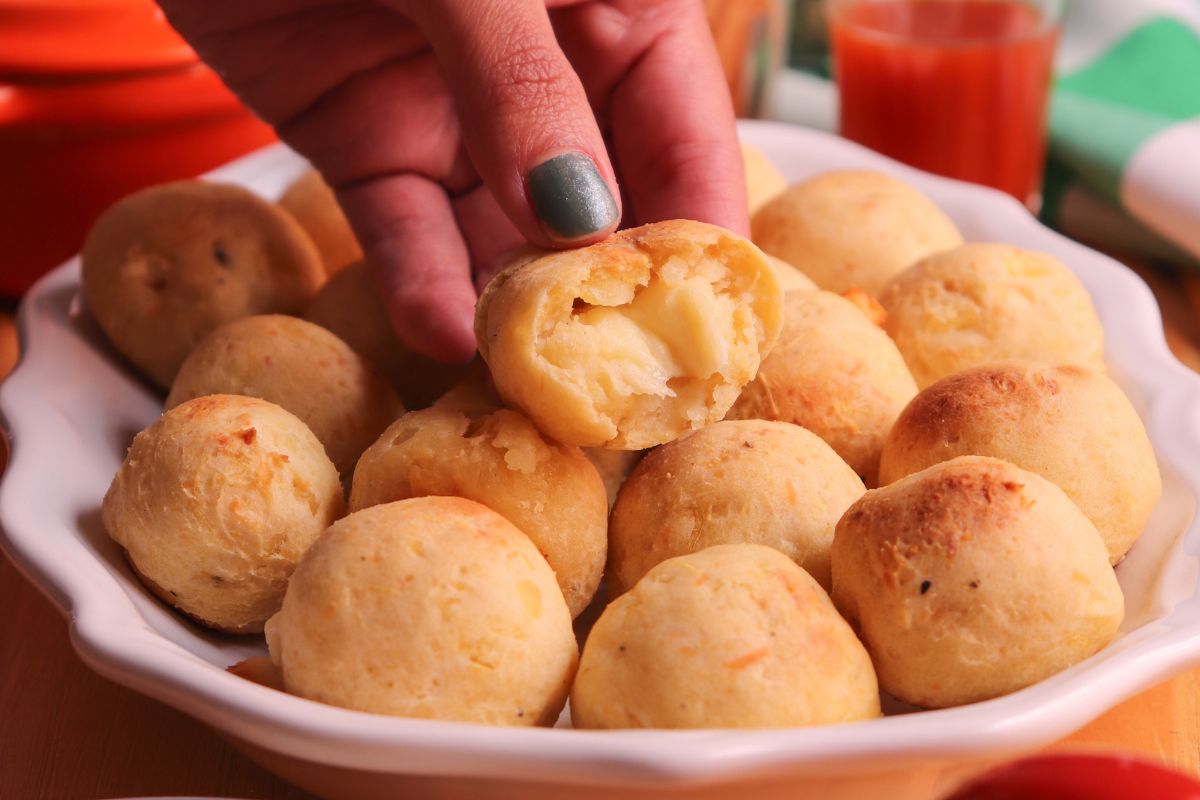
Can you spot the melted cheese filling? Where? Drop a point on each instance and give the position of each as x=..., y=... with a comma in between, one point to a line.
x=676, y=327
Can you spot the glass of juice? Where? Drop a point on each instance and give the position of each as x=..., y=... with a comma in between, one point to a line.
x=956, y=87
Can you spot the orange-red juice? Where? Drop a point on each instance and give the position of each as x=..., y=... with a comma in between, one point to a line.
x=953, y=87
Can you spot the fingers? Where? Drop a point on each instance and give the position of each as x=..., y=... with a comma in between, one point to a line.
x=387, y=141
x=672, y=121
x=265, y=50
x=525, y=118
x=489, y=235
x=688, y=164
x=411, y=240
x=396, y=117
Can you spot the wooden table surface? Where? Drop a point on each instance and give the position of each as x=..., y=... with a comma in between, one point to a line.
x=67, y=734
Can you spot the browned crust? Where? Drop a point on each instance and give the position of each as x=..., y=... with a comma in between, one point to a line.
x=157, y=272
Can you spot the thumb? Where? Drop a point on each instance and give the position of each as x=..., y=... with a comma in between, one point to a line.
x=525, y=117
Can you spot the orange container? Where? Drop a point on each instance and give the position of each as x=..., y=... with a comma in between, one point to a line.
x=98, y=98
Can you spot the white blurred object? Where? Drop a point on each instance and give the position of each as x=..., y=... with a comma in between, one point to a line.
x=1161, y=183
x=802, y=99
x=1091, y=27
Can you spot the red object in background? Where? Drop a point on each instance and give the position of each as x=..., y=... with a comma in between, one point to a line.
x=1080, y=777
x=98, y=98
x=956, y=88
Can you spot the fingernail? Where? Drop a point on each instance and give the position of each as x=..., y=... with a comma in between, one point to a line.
x=570, y=197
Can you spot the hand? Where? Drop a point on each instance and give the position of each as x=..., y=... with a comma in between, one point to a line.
x=454, y=130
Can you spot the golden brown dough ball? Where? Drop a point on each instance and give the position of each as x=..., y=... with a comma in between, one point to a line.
x=1072, y=426
x=835, y=373
x=735, y=636
x=763, y=180
x=752, y=481
x=852, y=228
x=434, y=607
x=349, y=305
x=216, y=502
x=981, y=303
x=166, y=265
x=790, y=278
x=972, y=579
x=551, y=492
x=300, y=366
x=867, y=304
x=632, y=341
x=314, y=205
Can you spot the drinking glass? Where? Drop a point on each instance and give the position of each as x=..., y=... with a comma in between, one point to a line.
x=955, y=87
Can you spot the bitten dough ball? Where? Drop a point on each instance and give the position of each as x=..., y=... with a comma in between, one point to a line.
x=735, y=636
x=852, y=228
x=166, y=265
x=300, y=366
x=314, y=205
x=551, y=492
x=216, y=502
x=972, y=579
x=752, y=481
x=1072, y=426
x=988, y=302
x=434, y=607
x=835, y=373
x=349, y=305
x=763, y=180
x=632, y=341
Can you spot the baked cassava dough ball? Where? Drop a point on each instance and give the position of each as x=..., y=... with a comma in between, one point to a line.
x=852, y=228
x=551, y=492
x=735, y=636
x=1072, y=426
x=790, y=278
x=433, y=607
x=349, y=305
x=867, y=304
x=166, y=265
x=216, y=502
x=632, y=341
x=986, y=302
x=472, y=397
x=972, y=579
x=835, y=373
x=763, y=180
x=314, y=205
x=301, y=367
x=750, y=481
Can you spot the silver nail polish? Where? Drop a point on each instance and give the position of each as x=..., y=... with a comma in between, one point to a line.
x=570, y=197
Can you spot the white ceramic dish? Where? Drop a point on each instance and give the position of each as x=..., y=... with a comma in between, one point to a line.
x=72, y=409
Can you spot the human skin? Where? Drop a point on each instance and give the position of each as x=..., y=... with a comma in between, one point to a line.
x=428, y=117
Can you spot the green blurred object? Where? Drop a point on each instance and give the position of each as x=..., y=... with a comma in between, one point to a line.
x=808, y=38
